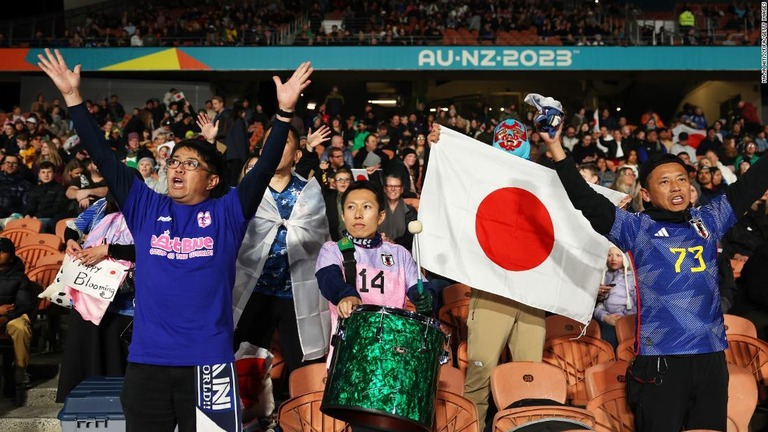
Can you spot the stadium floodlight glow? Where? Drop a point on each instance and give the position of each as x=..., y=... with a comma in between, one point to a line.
x=618, y=108
x=501, y=109
x=432, y=109
x=311, y=105
x=383, y=102
x=444, y=109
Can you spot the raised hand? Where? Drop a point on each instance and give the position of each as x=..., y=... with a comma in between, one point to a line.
x=209, y=129
x=321, y=135
x=288, y=93
x=67, y=81
x=434, y=134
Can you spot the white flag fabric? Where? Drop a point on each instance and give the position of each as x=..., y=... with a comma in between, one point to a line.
x=695, y=136
x=505, y=225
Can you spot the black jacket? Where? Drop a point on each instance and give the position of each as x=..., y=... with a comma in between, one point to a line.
x=47, y=200
x=16, y=289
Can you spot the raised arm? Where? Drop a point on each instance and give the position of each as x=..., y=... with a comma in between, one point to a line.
x=251, y=188
x=117, y=175
x=598, y=210
x=751, y=186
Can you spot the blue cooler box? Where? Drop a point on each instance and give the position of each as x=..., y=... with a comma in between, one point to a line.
x=94, y=405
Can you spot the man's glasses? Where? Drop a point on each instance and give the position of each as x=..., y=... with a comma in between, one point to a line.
x=12, y=163
x=189, y=164
x=343, y=180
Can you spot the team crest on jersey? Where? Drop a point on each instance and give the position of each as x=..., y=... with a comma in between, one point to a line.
x=203, y=219
x=388, y=260
x=700, y=228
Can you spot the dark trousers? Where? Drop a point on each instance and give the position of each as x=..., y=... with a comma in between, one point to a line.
x=157, y=398
x=261, y=316
x=673, y=393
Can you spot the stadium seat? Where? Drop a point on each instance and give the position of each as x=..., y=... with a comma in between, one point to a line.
x=626, y=350
x=43, y=274
x=413, y=202
x=751, y=354
x=625, y=327
x=574, y=356
x=451, y=379
x=605, y=377
x=462, y=359
x=515, y=381
x=16, y=235
x=455, y=315
x=509, y=419
x=42, y=239
x=302, y=414
x=612, y=414
x=307, y=379
x=454, y=292
x=57, y=259
x=742, y=398
x=739, y=325
x=454, y=413
x=558, y=325
x=61, y=226
x=28, y=224
x=30, y=254
x=737, y=266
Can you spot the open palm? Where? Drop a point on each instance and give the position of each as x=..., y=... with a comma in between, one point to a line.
x=288, y=93
x=53, y=64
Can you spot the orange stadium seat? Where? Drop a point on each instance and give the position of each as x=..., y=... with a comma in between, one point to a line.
x=574, y=356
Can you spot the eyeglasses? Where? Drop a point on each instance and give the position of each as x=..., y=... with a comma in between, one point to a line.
x=343, y=180
x=420, y=138
x=189, y=164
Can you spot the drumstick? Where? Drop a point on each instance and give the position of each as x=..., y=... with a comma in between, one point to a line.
x=415, y=227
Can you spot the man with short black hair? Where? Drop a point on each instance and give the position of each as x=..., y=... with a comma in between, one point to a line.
x=47, y=201
x=13, y=186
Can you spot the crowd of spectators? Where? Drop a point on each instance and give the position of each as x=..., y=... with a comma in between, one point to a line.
x=432, y=22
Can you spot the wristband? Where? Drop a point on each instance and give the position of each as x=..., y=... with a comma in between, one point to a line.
x=286, y=114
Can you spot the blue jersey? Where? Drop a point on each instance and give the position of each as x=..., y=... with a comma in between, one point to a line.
x=678, y=297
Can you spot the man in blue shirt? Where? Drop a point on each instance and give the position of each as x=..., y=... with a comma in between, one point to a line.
x=679, y=378
x=180, y=368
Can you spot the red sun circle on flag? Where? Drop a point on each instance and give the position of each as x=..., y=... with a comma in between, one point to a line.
x=514, y=229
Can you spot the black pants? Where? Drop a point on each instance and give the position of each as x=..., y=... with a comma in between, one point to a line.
x=670, y=393
x=261, y=316
x=157, y=398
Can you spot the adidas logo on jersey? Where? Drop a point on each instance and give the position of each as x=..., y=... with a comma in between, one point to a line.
x=661, y=233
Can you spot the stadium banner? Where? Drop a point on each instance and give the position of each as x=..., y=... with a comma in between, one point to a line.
x=403, y=58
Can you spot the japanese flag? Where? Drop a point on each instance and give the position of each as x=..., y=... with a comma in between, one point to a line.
x=695, y=136
x=505, y=225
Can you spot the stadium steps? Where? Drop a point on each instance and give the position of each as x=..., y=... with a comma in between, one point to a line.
x=39, y=413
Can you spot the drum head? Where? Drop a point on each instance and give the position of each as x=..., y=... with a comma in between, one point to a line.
x=368, y=308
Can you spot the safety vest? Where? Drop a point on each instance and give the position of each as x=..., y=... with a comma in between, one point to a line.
x=687, y=19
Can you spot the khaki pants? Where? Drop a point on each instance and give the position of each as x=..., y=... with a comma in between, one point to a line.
x=20, y=331
x=494, y=322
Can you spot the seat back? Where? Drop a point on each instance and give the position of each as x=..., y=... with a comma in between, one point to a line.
x=454, y=292
x=33, y=225
x=574, y=356
x=302, y=414
x=57, y=259
x=625, y=327
x=42, y=239
x=31, y=254
x=605, y=377
x=735, y=324
x=558, y=325
x=507, y=420
x=517, y=380
x=307, y=379
x=751, y=354
x=454, y=413
x=626, y=350
x=612, y=414
x=742, y=397
x=736, y=267
x=43, y=274
x=451, y=379
x=16, y=235
x=455, y=315
x=61, y=226
x=462, y=358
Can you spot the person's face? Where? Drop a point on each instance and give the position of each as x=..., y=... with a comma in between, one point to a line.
x=570, y=132
x=628, y=177
x=393, y=189
x=686, y=158
x=145, y=168
x=9, y=129
x=336, y=158
x=652, y=136
x=712, y=157
x=420, y=140
x=588, y=176
x=410, y=159
x=601, y=164
x=10, y=164
x=632, y=157
x=342, y=180
x=711, y=133
x=615, y=259
x=74, y=173
x=586, y=140
x=217, y=105
x=250, y=164
x=45, y=175
x=371, y=142
x=45, y=150
x=133, y=143
x=5, y=259
x=361, y=213
x=717, y=178
x=750, y=149
x=668, y=187
x=190, y=187
x=704, y=177
x=744, y=166
x=337, y=141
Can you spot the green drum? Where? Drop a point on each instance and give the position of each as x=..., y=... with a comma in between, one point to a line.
x=384, y=369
